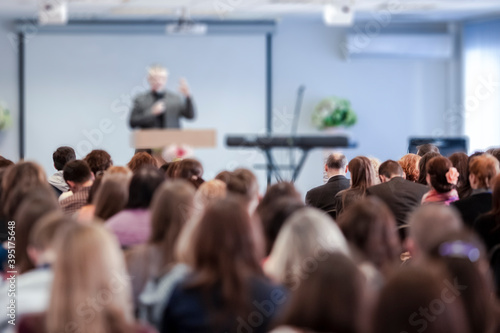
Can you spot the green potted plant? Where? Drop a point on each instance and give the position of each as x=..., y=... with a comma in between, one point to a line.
x=333, y=112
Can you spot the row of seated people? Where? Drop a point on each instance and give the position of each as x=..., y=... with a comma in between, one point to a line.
x=144, y=248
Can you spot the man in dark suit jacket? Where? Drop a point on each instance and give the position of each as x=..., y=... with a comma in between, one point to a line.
x=323, y=196
x=161, y=108
x=401, y=195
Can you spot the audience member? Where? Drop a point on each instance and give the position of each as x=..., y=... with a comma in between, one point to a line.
x=33, y=287
x=171, y=208
x=482, y=171
x=4, y=162
x=495, y=152
x=369, y=226
x=132, y=225
x=409, y=163
x=362, y=177
x=86, y=213
x=442, y=177
x=429, y=225
x=307, y=235
x=124, y=170
x=98, y=161
x=37, y=203
x=323, y=197
x=400, y=195
x=112, y=196
x=243, y=185
x=140, y=160
x=460, y=162
x=376, y=165
x=226, y=281
x=422, y=167
x=90, y=281
x=466, y=261
x=427, y=148
x=274, y=216
x=418, y=299
x=80, y=179
x=191, y=170
x=330, y=300
x=61, y=156
x=18, y=181
x=488, y=225
x=278, y=191
x=209, y=192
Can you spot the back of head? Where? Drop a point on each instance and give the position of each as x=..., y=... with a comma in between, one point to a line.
x=496, y=197
x=4, y=163
x=427, y=148
x=390, y=169
x=306, y=235
x=77, y=171
x=278, y=191
x=142, y=187
x=274, y=216
x=460, y=162
x=190, y=170
x=409, y=163
x=224, y=176
x=112, y=195
x=35, y=204
x=124, y=170
x=437, y=170
x=141, y=160
x=466, y=260
x=495, y=152
x=171, y=207
x=411, y=301
x=422, y=167
x=362, y=173
x=484, y=168
x=336, y=161
x=370, y=226
x=18, y=181
x=429, y=224
x=209, y=192
x=98, y=161
x=63, y=155
x=311, y=310
x=88, y=262
x=242, y=184
x=226, y=252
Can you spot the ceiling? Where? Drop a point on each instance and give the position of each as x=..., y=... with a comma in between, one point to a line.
x=407, y=10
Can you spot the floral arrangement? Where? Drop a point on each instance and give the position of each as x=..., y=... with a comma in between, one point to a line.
x=5, y=118
x=333, y=112
x=174, y=153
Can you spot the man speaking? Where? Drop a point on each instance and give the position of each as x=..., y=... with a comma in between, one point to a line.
x=160, y=108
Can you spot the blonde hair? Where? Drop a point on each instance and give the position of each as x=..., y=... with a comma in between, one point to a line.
x=89, y=269
x=484, y=168
x=303, y=241
x=157, y=69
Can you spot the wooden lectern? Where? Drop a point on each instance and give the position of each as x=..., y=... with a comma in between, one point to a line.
x=160, y=138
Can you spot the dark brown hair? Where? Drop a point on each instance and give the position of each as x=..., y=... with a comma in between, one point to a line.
x=38, y=202
x=63, y=155
x=427, y=148
x=413, y=288
x=112, y=196
x=98, y=160
x=409, y=163
x=226, y=253
x=171, y=207
x=140, y=160
x=142, y=187
x=190, y=170
x=370, y=226
x=422, y=167
x=461, y=162
x=362, y=173
x=437, y=168
x=329, y=300
x=390, y=168
x=77, y=171
x=242, y=182
x=4, y=163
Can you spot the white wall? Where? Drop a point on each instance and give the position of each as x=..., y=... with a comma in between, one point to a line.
x=9, y=147
x=394, y=98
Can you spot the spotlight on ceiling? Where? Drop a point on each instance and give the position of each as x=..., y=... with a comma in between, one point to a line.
x=338, y=14
x=53, y=12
